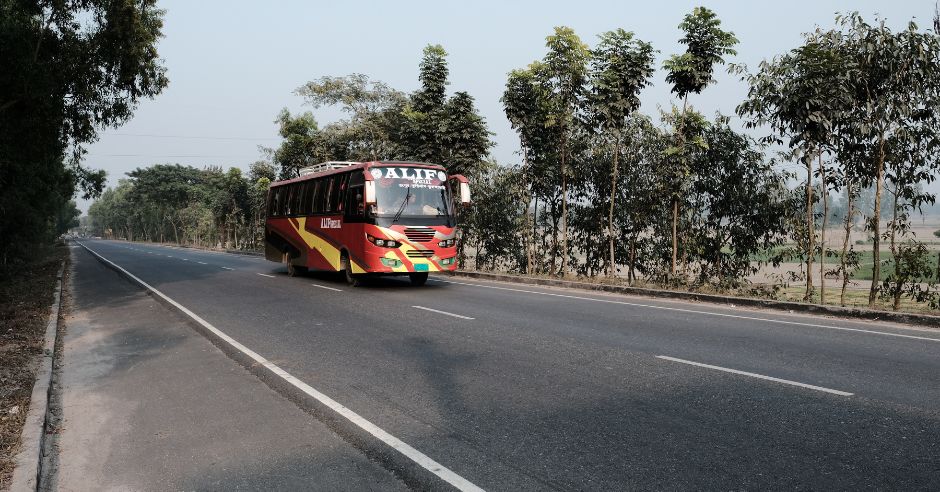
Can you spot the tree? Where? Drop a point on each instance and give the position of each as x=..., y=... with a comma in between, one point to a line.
x=739, y=207
x=302, y=146
x=565, y=67
x=706, y=45
x=70, y=68
x=67, y=217
x=524, y=102
x=435, y=128
x=620, y=68
x=464, y=136
x=803, y=96
x=166, y=188
x=893, y=82
x=369, y=104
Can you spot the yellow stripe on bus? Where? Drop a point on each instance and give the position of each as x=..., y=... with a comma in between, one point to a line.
x=330, y=252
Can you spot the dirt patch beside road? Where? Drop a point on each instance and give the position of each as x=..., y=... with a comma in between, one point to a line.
x=25, y=295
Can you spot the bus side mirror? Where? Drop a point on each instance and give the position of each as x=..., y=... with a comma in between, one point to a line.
x=370, y=192
x=463, y=188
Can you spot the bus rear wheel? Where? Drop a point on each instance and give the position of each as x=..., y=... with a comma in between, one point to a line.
x=418, y=278
x=351, y=278
x=293, y=270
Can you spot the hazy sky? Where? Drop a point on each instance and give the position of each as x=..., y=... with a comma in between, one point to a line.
x=233, y=65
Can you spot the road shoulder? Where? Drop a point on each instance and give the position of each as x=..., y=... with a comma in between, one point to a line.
x=148, y=403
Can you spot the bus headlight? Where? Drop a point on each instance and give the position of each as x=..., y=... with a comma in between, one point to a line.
x=446, y=243
x=385, y=243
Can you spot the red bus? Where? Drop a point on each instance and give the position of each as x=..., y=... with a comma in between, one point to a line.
x=366, y=218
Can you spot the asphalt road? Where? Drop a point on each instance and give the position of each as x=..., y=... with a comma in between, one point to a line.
x=517, y=387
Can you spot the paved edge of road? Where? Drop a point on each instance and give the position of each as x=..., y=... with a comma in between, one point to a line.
x=27, y=465
x=838, y=311
x=866, y=314
x=421, y=476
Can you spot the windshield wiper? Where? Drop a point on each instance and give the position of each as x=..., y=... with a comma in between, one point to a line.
x=403, y=204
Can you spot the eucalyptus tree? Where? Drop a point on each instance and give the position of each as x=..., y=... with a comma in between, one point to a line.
x=894, y=81
x=706, y=45
x=803, y=96
x=522, y=104
x=565, y=69
x=621, y=66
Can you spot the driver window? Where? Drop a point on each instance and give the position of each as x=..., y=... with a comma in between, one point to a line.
x=354, y=206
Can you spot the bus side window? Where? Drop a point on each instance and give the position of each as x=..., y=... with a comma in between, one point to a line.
x=272, y=202
x=301, y=199
x=339, y=193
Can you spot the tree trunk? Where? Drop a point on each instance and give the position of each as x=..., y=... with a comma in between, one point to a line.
x=529, y=234
x=675, y=244
x=610, y=217
x=675, y=200
x=894, y=250
x=822, y=232
x=564, y=205
x=554, y=211
x=849, y=213
x=631, y=277
x=810, y=233
x=876, y=225
x=535, y=234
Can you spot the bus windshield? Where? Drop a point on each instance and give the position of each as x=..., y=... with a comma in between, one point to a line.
x=409, y=191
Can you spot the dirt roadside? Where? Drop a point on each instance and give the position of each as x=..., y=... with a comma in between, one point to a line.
x=25, y=294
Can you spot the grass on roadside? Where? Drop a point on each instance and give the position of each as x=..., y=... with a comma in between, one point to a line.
x=25, y=296
x=854, y=298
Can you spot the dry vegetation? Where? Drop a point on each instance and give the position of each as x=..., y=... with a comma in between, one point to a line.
x=25, y=296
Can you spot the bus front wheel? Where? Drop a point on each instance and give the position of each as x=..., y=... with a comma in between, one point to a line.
x=351, y=278
x=418, y=278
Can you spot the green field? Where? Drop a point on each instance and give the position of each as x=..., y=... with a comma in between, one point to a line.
x=866, y=263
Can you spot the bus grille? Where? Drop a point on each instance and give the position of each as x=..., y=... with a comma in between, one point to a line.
x=419, y=234
x=420, y=253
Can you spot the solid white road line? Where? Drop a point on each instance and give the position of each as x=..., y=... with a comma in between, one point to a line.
x=411, y=453
x=693, y=311
x=227, y=268
x=266, y=275
x=758, y=376
x=442, y=312
x=325, y=287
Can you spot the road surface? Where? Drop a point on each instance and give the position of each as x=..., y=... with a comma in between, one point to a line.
x=524, y=388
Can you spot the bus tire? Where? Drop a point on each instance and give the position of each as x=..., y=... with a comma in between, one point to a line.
x=418, y=278
x=352, y=279
x=293, y=270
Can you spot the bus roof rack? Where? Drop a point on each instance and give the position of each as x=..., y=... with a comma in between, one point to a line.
x=325, y=166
